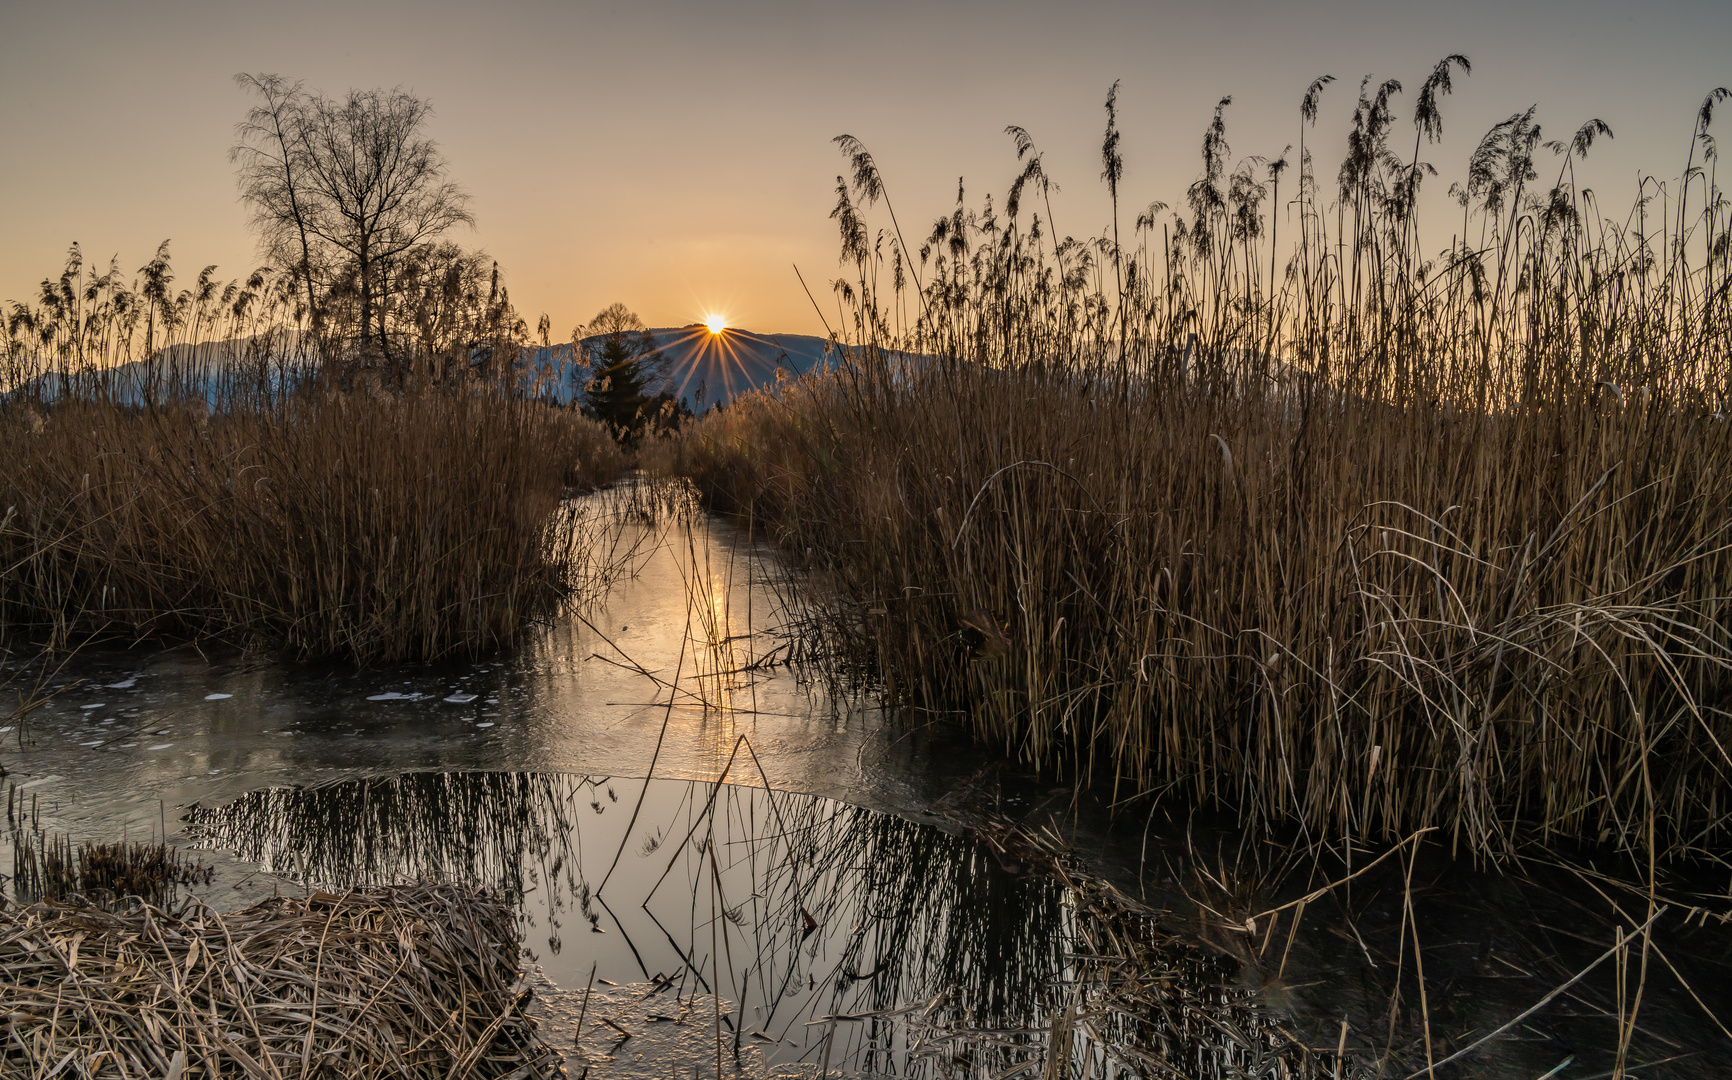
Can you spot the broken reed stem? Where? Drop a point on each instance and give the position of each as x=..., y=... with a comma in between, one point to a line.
x=1622, y=943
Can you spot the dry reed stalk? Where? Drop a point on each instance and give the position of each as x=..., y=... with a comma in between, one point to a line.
x=201, y=464
x=413, y=981
x=45, y=867
x=379, y=527
x=1385, y=544
x=1380, y=625
x=1132, y=996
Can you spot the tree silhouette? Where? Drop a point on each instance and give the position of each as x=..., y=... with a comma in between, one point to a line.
x=355, y=184
x=626, y=372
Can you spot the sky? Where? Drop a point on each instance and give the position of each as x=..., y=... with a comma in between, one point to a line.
x=677, y=156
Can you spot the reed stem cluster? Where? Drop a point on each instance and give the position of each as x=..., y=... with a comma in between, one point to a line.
x=191, y=465
x=1375, y=543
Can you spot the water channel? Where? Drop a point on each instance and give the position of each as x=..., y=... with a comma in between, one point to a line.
x=733, y=863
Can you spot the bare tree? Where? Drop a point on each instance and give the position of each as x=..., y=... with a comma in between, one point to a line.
x=272, y=167
x=379, y=187
x=357, y=181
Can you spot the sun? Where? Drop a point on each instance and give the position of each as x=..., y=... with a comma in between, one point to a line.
x=716, y=323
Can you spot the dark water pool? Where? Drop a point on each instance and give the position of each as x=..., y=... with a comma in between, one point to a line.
x=780, y=931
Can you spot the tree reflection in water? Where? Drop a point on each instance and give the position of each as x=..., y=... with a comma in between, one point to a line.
x=880, y=944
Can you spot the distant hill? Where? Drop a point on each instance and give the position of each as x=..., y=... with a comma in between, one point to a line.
x=210, y=369
x=703, y=369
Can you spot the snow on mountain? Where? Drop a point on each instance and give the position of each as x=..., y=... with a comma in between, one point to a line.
x=702, y=369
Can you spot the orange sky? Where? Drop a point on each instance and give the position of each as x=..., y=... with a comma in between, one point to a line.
x=676, y=156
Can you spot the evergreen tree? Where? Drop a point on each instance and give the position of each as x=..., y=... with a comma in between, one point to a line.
x=625, y=372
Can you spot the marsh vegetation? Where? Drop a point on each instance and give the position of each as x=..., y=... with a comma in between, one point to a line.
x=785, y=929
x=339, y=457
x=414, y=981
x=1342, y=538
x=1252, y=512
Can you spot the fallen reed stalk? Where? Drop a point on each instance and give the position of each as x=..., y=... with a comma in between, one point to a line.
x=415, y=981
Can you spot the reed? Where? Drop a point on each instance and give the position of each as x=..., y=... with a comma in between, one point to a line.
x=1356, y=546
x=183, y=466
x=378, y=528
x=418, y=981
x=47, y=867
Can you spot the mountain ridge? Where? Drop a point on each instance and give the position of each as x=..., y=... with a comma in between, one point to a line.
x=700, y=369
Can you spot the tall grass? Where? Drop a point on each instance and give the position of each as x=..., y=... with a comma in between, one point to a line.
x=1359, y=542
x=183, y=466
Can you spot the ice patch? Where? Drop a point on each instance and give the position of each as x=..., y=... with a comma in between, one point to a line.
x=87, y=708
x=160, y=746
x=488, y=724
x=217, y=697
x=460, y=699
x=96, y=743
x=126, y=684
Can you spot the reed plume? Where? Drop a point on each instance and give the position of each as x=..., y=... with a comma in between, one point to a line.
x=192, y=465
x=1355, y=543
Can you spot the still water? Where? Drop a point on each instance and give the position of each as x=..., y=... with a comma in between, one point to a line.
x=686, y=645
x=843, y=900
x=774, y=930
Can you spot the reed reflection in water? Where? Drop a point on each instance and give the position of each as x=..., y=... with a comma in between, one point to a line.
x=834, y=932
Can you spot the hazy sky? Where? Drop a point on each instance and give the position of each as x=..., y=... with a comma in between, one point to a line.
x=677, y=156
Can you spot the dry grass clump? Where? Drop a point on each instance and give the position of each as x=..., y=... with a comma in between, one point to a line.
x=199, y=464
x=375, y=526
x=414, y=981
x=52, y=868
x=1365, y=624
x=1374, y=543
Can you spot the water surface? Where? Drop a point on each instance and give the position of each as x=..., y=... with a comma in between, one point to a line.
x=886, y=832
